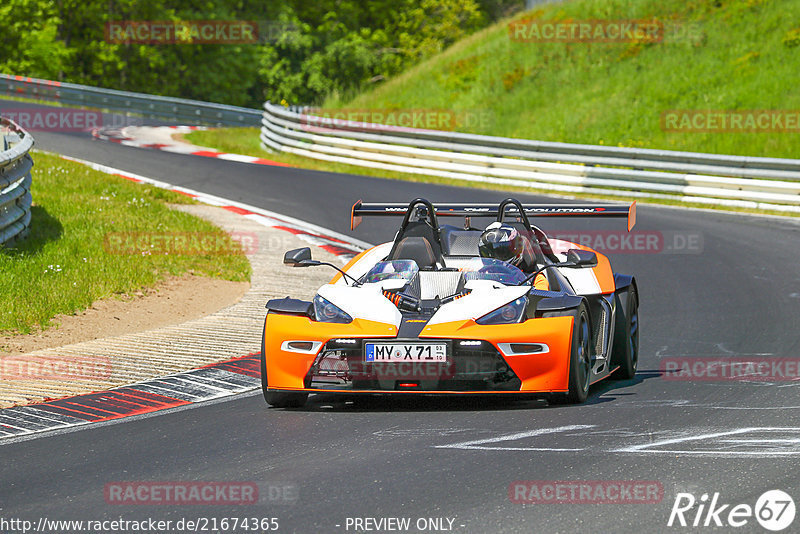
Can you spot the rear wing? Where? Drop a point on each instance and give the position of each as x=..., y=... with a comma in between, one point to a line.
x=372, y=209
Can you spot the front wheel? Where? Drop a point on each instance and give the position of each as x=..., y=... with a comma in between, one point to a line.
x=280, y=399
x=277, y=399
x=625, y=352
x=580, y=361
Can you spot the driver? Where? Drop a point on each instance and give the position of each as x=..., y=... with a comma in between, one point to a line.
x=504, y=242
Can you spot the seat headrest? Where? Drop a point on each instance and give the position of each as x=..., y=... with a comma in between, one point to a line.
x=415, y=248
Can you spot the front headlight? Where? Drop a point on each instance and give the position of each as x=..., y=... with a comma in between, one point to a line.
x=513, y=312
x=327, y=312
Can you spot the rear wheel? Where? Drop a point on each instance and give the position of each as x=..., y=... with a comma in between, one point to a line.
x=625, y=352
x=277, y=399
x=580, y=361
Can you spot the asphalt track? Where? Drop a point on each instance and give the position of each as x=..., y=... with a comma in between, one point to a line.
x=738, y=297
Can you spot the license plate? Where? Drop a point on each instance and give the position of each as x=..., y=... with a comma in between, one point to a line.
x=406, y=352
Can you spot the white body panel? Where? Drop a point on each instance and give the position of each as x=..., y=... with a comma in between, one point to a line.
x=365, y=302
x=583, y=281
x=486, y=296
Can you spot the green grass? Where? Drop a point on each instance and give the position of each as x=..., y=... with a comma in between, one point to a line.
x=232, y=140
x=741, y=54
x=67, y=262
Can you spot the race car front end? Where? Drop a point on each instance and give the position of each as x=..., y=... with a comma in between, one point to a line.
x=302, y=354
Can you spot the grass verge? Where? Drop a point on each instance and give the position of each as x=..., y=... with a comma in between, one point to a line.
x=70, y=259
x=714, y=55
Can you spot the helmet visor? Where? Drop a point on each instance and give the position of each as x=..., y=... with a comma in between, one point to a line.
x=504, y=250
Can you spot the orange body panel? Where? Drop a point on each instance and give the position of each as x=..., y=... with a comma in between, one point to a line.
x=538, y=373
x=286, y=370
x=543, y=372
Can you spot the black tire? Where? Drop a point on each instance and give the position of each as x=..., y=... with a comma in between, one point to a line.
x=280, y=399
x=580, y=361
x=625, y=351
x=277, y=399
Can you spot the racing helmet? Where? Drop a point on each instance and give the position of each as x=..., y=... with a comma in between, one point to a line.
x=502, y=242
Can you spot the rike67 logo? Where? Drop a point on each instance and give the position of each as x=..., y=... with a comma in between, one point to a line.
x=774, y=510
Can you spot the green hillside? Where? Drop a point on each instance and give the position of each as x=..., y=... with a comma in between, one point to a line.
x=715, y=55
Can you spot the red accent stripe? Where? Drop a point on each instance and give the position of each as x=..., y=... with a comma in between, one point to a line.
x=114, y=404
x=262, y=161
x=240, y=211
x=131, y=178
x=249, y=365
x=207, y=153
x=297, y=232
x=183, y=193
x=338, y=251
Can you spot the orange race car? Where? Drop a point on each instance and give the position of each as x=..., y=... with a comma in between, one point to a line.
x=457, y=310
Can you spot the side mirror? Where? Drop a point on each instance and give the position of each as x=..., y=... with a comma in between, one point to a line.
x=299, y=257
x=581, y=258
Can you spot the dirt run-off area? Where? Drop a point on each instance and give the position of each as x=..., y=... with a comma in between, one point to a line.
x=173, y=301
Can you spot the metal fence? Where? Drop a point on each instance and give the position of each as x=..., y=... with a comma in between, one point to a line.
x=172, y=110
x=751, y=182
x=15, y=182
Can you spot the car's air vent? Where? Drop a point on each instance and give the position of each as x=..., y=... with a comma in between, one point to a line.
x=601, y=328
x=440, y=284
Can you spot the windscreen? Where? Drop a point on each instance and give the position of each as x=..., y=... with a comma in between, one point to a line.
x=390, y=270
x=491, y=269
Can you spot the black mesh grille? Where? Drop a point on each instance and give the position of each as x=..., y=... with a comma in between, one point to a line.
x=463, y=242
x=473, y=366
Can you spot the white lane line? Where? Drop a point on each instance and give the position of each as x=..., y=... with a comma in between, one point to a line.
x=237, y=157
x=761, y=447
x=782, y=441
x=479, y=444
x=683, y=403
x=49, y=417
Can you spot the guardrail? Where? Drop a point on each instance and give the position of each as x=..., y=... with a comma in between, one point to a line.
x=750, y=182
x=15, y=182
x=172, y=110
